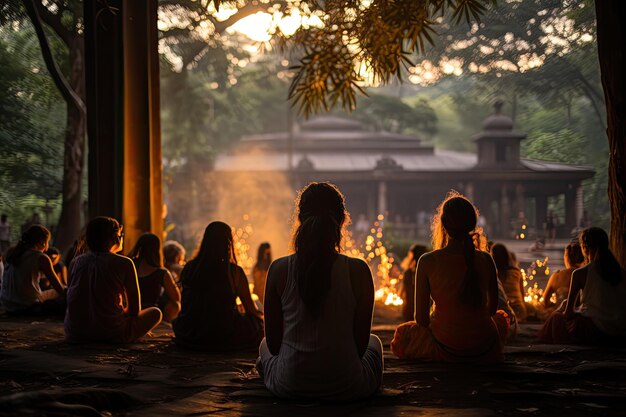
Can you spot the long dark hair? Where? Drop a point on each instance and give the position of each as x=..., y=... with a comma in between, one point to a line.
x=321, y=214
x=596, y=239
x=215, y=249
x=148, y=248
x=33, y=236
x=457, y=217
x=263, y=262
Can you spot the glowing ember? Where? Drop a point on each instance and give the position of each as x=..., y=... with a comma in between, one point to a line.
x=534, y=294
x=375, y=254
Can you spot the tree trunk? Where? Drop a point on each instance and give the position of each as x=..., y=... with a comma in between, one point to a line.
x=611, y=38
x=74, y=158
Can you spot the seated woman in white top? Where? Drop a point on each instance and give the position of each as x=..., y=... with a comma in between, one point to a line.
x=318, y=311
x=26, y=261
x=601, y=285
x=103, y=299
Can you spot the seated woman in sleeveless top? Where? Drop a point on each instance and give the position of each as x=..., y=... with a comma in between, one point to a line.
x=462, y=281
x=155, y=280
x=318, y=311
x=26, y=261
x=103, y=300
x=511, y=278
x=601, y=285
x=560, y=281
x=212, y=281
x=259, y=272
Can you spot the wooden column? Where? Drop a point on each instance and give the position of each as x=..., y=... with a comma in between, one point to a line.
x=122, y=74
x=382, y=197
x=541, y=212
x=104, y=76
x=143, y=199
x=505, y=212
x=570, y=209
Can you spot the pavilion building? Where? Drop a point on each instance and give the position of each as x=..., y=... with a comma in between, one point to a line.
x=405, y=179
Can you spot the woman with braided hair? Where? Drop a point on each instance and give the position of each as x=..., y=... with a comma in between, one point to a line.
x=461, y=279
x=318, y=310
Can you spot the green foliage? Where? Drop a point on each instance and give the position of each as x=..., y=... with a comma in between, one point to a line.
x=31, y=128
x=378, y=37
x=394, y=115
x=562, y=146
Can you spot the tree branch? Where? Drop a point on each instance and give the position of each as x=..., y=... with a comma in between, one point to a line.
x=54, y=21
x=61, y=83
x=245, y=11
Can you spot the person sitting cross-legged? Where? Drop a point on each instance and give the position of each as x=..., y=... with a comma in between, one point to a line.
x=601, y=286
x=212, y=281
x=155, y=282
x=318, y=311
x=103, y=299
x=26, y=262
x=461, y=279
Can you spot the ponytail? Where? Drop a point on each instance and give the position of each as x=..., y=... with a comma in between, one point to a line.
x=317, y=240
x=471, y=290
x=33, y=236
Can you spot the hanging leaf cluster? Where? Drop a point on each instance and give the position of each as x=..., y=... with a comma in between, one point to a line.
x=366, y=42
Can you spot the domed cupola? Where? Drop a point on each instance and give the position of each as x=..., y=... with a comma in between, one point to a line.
x=498, y=144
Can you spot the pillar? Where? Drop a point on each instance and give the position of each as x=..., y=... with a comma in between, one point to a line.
x=104, y=77
x=580, y=205
x=382, y=197
x=541, y=212
x=570, y=208
x=520, y=198
x=505, y=212
x=122, y=74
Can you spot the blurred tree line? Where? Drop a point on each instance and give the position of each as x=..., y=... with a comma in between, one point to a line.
x=218, y=85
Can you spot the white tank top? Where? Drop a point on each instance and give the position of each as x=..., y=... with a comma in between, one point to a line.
x=318, y=357
x=604, y=303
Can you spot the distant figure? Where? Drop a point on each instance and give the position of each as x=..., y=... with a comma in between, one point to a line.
x=174, y=254
x=100, y=282
x=59, y=267
x=408, y=280
x=156, y=284
x=318, y=310
x=550, y=226
x=560, y=281
x=462, y=280
x=212, y=281
x=511, y=278
x=259, y=272
x=21, y=292
x=601, y=285
x=5, y=234
x=362, y=226
x=33, y=220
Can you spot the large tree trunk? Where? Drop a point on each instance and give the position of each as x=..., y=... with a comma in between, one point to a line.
x=74, y=160
x=610, y=17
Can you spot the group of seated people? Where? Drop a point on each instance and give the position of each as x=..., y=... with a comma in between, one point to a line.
x=314, y=334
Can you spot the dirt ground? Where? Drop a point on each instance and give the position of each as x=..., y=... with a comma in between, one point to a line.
x=42, y=375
